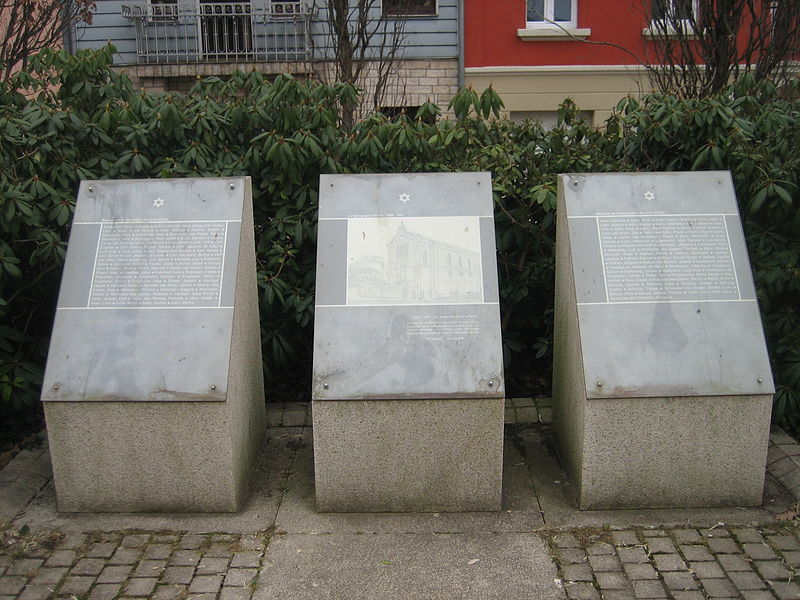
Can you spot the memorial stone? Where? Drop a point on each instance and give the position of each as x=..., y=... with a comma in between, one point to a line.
x=153, y=391
x=408, y=373
x=662, y=387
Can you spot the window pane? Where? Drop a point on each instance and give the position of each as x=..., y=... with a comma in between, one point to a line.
x=535, y=10
x=562, y=10
x=409, y=7
x=660, y=9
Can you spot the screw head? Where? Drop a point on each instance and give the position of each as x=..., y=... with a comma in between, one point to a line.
x=599, y=384
x=325, y=386
x=490, y=383
x=760, y=380
x=232, y=187
x=55, y=387
x=213, y=387
x=90, y=188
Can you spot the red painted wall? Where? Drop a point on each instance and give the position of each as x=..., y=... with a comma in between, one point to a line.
x=491, y=35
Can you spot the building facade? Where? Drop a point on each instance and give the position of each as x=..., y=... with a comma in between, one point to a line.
x=163, y=45
x=535, y=53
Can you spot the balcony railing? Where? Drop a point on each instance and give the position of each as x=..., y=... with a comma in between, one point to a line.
x=198, y=31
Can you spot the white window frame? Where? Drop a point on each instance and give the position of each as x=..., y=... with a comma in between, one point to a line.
x=549, y=14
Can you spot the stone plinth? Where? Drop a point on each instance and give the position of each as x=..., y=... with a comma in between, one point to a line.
x=408, y=455
x=153, y=392
x=661, y=382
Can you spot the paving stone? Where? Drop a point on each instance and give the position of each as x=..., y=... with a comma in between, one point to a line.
x=792, y=558
x=748, y=535
x=706, y=570
x=582, y=591
x=576, y=573
x=238, y=594
x=205, y=584
x=781, y=466
x=136, y=540
x=746, y=580
x=229, y=537
x=49, y=576
x=252, y=542
x=695, y=552
x=661, y=545
x=243, y=577
x=166, y=538
x=680, y=580
x=178, y=575
x=76, y=585
x=774, y=454
x=88, y=566
x=150, y=568
x=202, y=597
x=649, y=589
x=634, y=554
x=618, y=595
x=640, y=571
x=114, y=574
x=604, y=562
x=757, y=595
x=192, y=541
x=669, y=562
x=105, y=591
x=784, y=542
x=719, y=588
x=600, y=548
x=566, y=540
x=717, y=532
x=772, y=570
x=686, y=536
x=212, y=566
x=612, y=581
x=185, y=557
x=690, y=595
x=5, y=559
x=169, y=592
x=101, y=550
x=109, y=536
x=36, y=592
x=734, y=562
x=625, y=538
x=140, y=586
x=12, y=585
x=653, y=533
x=125, y=556
x=572, y=555
x=2, y=570
x=219, y=550
x=158, y=551
x=61, y=558
x=24, y=566
x=759, y=551
x=785, y=590
x=71, y=541
x=723, y=546
x=251, y=559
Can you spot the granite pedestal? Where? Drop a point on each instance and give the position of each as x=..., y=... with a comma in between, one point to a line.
x=153, y=392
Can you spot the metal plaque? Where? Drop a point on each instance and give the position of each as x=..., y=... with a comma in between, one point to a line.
x=666, y=301
x=145, y=310
x=407, y=301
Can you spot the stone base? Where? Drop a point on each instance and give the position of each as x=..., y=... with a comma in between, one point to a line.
x=152, y=456
x=666, y=452
x=408, y=455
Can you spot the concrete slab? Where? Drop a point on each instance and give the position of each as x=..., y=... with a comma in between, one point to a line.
x=420, y=566
x=298, y=514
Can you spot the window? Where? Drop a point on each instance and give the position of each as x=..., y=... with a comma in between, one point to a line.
x=393, y=8
x=551, y=13
x=671, y=10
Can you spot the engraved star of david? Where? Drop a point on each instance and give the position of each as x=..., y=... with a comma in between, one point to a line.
x=649, y=195
x=404, y=198
x=158, y=202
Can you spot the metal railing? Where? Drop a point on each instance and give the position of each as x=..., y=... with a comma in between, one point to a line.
x=170, y=31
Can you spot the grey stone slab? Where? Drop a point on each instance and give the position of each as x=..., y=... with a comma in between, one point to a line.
x=746, y=580
x=734, y=562
x=163, y=381
x=680, y=580
x=695, y=552
x=719, y=588
x=507, y=566
x=408, y=455
x=298, y=514
x=406, y=295
x=759, y=551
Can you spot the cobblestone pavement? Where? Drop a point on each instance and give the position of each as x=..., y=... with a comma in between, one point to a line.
x=683, y=564
x=102, y=566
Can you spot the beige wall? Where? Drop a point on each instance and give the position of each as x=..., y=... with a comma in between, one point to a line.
x=541, y=89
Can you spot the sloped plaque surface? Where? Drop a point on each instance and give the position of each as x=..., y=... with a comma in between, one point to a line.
x=407, y=297
x=145, y=310
x=665, y=294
